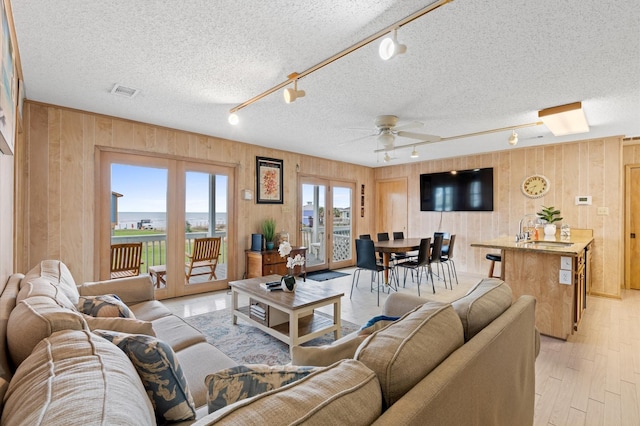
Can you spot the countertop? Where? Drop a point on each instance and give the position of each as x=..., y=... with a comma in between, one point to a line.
x=573, y=245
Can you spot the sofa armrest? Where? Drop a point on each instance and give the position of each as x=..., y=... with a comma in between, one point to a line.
x=398, y=304
x=130, y=290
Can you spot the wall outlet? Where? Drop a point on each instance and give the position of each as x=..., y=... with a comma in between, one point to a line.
x=566, y=263
x=603, y=211
x=566, y=277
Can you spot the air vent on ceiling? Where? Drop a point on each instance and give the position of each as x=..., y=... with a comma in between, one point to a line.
x=127, y=92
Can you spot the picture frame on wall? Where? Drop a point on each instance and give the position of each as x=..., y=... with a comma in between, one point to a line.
x=269, y=181
x=8, y=89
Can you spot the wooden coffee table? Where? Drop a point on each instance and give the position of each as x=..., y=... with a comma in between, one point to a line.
x=289, y=317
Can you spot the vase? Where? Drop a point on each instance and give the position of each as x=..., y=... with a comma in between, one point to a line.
x=549, y=229
x=288, y=283
x=270, y=245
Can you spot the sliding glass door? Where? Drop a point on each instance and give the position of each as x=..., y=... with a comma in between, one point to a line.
x=326, y=222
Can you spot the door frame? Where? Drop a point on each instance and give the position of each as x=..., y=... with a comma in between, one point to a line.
x=627, y=224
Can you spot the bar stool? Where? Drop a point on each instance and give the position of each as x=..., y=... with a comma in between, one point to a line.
x=493, y=257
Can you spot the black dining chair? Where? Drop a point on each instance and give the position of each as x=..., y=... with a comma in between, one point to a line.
x=446, y=236
x=401, y=257
x=447, y=259
x=365, y=237
x=366, y=261
x=420, y=264
x=436, y=257
x=384, y=236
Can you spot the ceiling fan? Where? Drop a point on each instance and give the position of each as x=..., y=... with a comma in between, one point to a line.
x=387, y=130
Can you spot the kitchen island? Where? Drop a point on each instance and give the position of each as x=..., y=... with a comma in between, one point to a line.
x=555, y=271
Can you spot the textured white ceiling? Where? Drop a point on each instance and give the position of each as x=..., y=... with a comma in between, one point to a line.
x=471, y=65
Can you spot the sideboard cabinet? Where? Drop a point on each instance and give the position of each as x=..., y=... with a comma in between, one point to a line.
x=268, y=262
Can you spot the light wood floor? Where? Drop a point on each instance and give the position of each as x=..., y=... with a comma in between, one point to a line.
x=591, y=379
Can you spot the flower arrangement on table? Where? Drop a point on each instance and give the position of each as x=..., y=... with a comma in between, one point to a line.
x=289, y=281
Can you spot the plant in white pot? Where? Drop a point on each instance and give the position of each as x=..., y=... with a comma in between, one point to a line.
x=550, y=215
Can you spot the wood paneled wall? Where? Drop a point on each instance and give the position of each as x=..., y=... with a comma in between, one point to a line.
x=58, y=180
x=590, y=167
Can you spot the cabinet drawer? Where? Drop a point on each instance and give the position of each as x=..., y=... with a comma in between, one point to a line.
x=272, y=257
x=276, y=268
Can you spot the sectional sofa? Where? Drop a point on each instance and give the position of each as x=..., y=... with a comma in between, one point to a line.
x=471, y=362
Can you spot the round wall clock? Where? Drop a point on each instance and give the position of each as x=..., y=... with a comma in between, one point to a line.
x=535, y=186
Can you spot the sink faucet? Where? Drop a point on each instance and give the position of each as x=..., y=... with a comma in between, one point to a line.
x=522, y=236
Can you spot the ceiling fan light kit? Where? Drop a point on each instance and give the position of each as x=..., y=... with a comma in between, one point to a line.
x=565, y=119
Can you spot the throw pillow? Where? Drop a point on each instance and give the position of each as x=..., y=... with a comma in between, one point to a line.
x=58, y=274
x=107, y=305
x=376, y=323
x=122, y=325
x=322, y=356
x=482, y=304
x=161, y=374
x=244, y=381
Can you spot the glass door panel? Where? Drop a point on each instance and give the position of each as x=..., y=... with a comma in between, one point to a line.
x=205, y=217
x=313, y=225
x=342, y=225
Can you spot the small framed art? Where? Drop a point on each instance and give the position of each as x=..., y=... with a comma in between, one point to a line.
x=269, y=181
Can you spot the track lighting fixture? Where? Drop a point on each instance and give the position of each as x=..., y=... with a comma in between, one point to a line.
x=387, y=157
x=414, y=153
x=291, y=95
x=389, y=47
x=513, y=139
x=233, y=119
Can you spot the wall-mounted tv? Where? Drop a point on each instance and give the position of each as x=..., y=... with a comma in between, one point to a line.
x=461, y=190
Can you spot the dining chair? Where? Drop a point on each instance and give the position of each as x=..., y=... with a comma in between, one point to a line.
x=446, y=236
x=421, y=264
x=401, y=257
x=448, y=257
x=366, y=261
x=205, y=255
x=365, y=237
x=436, y=257
x=125, y=260
x=384, y=236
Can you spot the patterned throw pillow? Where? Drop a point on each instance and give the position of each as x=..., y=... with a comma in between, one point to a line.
x=376, y=323
x=244, y=381
x=108, y=305
x=161, y=375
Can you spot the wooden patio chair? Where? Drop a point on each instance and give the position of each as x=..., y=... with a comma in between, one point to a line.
x=125, y=260
x=205, y=255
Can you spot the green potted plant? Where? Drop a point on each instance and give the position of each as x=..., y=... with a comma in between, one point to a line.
x=550, y=215
x=269, y=232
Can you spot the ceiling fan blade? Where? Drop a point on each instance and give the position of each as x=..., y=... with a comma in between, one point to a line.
x=419, y=136
x=411, y=125
x=357, y=139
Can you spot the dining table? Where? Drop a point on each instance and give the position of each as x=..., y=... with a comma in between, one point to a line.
x=395, y=246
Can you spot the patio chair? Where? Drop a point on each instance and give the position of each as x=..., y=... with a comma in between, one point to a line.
x=125, y=260
x=205, y=255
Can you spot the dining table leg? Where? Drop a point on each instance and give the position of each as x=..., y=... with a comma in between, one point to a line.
x=386, y=260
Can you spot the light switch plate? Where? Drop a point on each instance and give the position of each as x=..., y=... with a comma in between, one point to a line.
x=583, y=200
x=566, y=263
x=566, y=277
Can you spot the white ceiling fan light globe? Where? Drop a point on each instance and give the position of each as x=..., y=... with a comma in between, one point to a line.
x=386, y=139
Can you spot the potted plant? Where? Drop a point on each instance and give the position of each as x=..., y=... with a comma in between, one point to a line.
x=550, y=215
x=269, y=232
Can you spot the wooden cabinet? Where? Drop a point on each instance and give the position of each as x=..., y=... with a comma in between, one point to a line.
x=268, y=262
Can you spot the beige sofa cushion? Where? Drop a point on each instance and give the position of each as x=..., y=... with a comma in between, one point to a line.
x=122, y=325
x=58, y=274
x=429, y=333
x=38, y=286
x=97, y=380
x=35, y=318
x=322, y=356
x=345, y=393
x=482, y=304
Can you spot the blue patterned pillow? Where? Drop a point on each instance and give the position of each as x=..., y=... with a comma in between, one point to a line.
x=161, y=375
x=107, y=305
x=376, y=323
x=244, y=381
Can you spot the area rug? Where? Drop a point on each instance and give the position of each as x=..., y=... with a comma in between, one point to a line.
x=325, y=275
x=246, y=344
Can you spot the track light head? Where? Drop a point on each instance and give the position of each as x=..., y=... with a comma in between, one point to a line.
x=387, y=157
x=291, y=95
x=233, y=119
x=389, y=47
x=513, y=139
x=414, y=153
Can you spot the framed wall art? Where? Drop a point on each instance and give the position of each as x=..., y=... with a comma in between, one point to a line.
x=269, y=181
x=8, y=87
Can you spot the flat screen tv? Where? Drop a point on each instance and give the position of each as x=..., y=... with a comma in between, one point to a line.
x=461, y=190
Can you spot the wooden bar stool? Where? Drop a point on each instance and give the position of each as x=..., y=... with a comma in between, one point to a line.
x=493, y=257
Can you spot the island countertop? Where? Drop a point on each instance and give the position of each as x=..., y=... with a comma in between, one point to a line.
x=573, y=245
